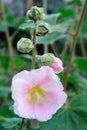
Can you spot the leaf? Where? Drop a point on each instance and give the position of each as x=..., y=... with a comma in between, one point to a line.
x=10, y=123
x=19, y=63
x=5, y=61
x=75, y=2
x=79, y=81
x=50, y=38
x=3, y=26
x=80, y=63
x=14, y=22
x=3, y=79
x=72, y=117
x=61, y=28
x=52, y=18
x=6, y=112
x=28, y=25
x=66, y=13
x=4, y=91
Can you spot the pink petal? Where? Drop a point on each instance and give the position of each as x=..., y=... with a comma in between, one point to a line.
x=24, y=109
x=54, y=85
x=57, y=65
x=57, y=98
x=45, y=110
x=19, y=88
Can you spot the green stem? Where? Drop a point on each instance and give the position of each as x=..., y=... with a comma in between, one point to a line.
x=65, y=48
x=45, y=6
x=34, y=44
x=14, y=34
x=73, y=46
x=82, y=46
x=7, y=36
x=22, y=123
x=45, y=10
x=54, y=50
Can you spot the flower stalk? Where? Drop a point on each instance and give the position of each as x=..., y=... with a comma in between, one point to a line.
x=75, y=38
x=34, y=44
x=22, y=123
x=9, y=41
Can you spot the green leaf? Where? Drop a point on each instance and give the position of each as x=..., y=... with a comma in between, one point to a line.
x=75, y=2
x=72, y=117
x=52, y=18
x=10, y=123
x=61, y=28
x=66, y=13
x=3, y=80
x=4, y=61
x=4, y=91
x=28, y=25
x=80, y=63
x=19, y=62
x=79, y=81
x=14, y=22
x=50, y=38
x=6, y=112
x=3, y=26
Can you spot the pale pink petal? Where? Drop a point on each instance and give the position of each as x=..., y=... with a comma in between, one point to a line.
x=57, y=65
x=57, y=98
x=54, y=85
x=19, y=88
x=22, y=75
x=45, y=110
x=42, y=76
x=24, y=109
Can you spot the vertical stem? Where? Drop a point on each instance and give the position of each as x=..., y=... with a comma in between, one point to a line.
x=34, y=44
x=82, y=46
x=7, y=36
x=45, y=10
x=45, y=6
x=73, y=46
x=22, y=123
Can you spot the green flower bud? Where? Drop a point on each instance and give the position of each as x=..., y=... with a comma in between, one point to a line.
x=43, y=29
x=47, y=59
x=35, y=13
x=24, y=45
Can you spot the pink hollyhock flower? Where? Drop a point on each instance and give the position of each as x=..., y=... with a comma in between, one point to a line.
x=57, y=65
x=37, y=94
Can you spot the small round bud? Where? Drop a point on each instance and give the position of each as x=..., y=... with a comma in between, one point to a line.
x=35, y=13
x=43, y=29
x=47, y=59
x=24, y=45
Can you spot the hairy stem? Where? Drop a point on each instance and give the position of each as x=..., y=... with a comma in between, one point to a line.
x=34, y=44
x=75, y=37
x=7, y=36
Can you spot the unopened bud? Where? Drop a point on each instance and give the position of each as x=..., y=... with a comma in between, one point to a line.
x=35, y=13
x=47, y=59
x=24, y=45
x=43, y=29
x=54, y=62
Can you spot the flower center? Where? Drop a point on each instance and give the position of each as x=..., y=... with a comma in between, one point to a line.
x=36, y=94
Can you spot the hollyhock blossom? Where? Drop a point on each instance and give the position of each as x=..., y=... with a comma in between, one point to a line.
x=57, y=65
x=37, y=94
